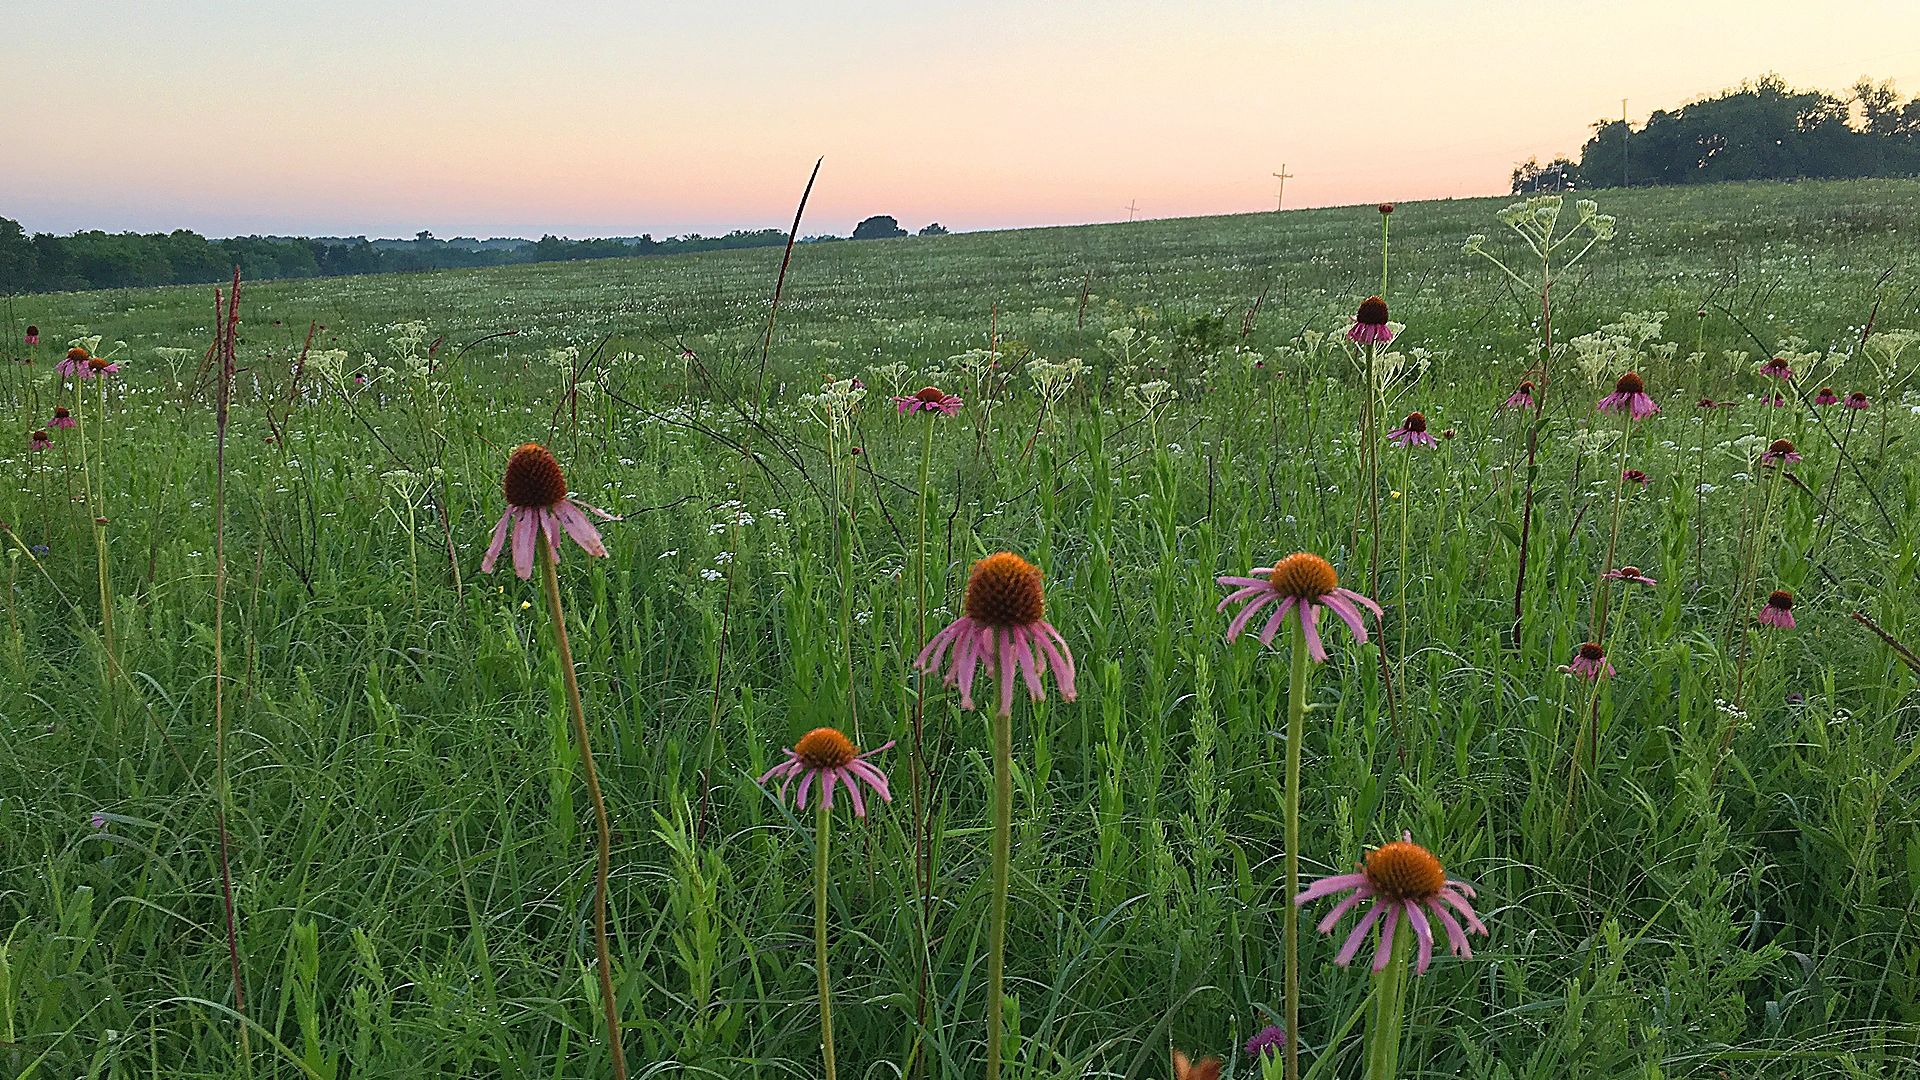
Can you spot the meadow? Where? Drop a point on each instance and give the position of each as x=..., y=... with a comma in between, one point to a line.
x=1704, y=863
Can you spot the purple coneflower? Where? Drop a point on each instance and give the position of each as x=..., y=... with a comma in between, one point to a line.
x=1857, y=400
x=537, y=504
x=1370, y=324
x=1629, y=573
x=1630, y=393
x=826, y=756
x=33, y=335
x=1826, y=396
x=74, y=363
x=61, y=417
x=1778, y=610
x=1406, y=881
x=39, y=440
x=1269, y=1042
x=1635, y=476
x=1412, y=432
x=1302, y=583
x=1777, y=368
x=1780, y=450
x=1003, y=628
x=1590, y=662
x=1706, y=403
x=1385, y=208
x=1779, y=401
x=1521, y=398
x=931, y=399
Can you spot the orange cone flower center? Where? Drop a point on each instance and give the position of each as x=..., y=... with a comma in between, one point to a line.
x=1004, y=590
x=77, y=354
x=1304, y=576
x=1404, y=870
x=534, y=478
x=1630, y=384
x=825, y=748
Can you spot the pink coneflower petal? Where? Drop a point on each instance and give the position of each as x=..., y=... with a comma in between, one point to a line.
x=1387, y=923
x=1358, y=937
x=1272, y=627
x=806, y=784
x=1456, y=937
x=1422, y=932
x=499, y=540
x=1327, y=886
x=1310, y=622
x=1349, y=614
x=524, y=527
x=1465, y=909
x=581, y=530
x=1246, y=614
x=1347, y=904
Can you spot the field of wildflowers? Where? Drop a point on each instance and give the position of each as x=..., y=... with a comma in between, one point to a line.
x=986, y=665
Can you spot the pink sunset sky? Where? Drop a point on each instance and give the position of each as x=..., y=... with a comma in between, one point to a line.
x=584, y=119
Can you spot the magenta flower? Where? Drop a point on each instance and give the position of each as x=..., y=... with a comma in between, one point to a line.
x=33, y=335
x=74, y=364
x=1778, y=610
x=1003, y=629
x=1777, y=368
x=931, y=399
x=1521, y=398
x=1404, y=881
x=1271, y=1040
x=1635, y=476
x=1412, y=432
x=1707, y=403
x=537, y=504
x=39, y=440
x=1303, y=584
x=1629, y=393
x=1629, y=573
x=1370, y=324
x=1857, y=400
x=1779, y=401
x=1590, y=662
x=1780, y=450
x=61, y=417
x=1826, y=396
x=827, y=757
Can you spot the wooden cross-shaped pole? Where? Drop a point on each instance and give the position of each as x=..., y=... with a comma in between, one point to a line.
x=1279, y=197
x=1132, y=208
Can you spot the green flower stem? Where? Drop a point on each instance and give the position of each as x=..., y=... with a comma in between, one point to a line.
x=551, y=579
x=1296, y=721
x=1389, y=1009
x=821, y=839
x=1002, y=848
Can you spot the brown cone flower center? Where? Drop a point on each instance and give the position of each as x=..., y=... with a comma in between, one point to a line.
x=1780, y=599
x=1526, y=386
x=1591, y=651
x=931, y=395
x=96, y=363
x=1781, y=446
x=1373, y=311
x=825, y=748
x=78, y=354
x=1858, y=396
x=1404, y=870
x=42, y=436
x=1630, y=383
x=1304, y=576
x=1776, y=364
x=534, y=478
x=60, y=412
x=1630, y=571
x=1004, y=590
x=1416, y=422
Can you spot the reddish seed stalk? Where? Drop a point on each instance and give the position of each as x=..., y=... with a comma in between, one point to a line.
x=226, y=332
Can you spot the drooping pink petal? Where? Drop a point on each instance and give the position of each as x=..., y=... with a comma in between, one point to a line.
x=1023, y=652
x=1279, y=616
x=1345, y=905
x=581, y=530
x=1456, y=937
x=1327, y=886
x=1247, y=582
x=1358, y=937
x=523, y=529
x=1387, y=922
x=1007, y=672
x=1350, y=615
x=800, y=797
x=827, y=778
x=1245, y=592
x=1063, y=674
x=1310, y=622
x=499, y=540
x=1423, y=932
x=936, y=648
x=1246, y=614
x=966, y=661
x=1466, y=911
x=874, y=778
x=853, y=790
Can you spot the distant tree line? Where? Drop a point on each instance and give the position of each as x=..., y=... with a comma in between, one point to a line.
x=1760, y=130
x=44, y=262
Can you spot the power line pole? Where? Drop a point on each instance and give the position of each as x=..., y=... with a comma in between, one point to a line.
x=1625, y=131
x=1279, y=198
x=1132, y=208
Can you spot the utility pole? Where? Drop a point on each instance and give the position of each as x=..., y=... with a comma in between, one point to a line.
x=1132, y=208
x=1279, y=198
x=1625, y=131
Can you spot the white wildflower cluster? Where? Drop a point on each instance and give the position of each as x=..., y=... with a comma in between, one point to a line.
x=833, y=406
x=889, y=377
x=1152, y=396
x=1052, y=380
x=1595, y=440
x=1392, y=370
x=1621, y=346
x=1537, y=221
x=1885, y=349
x=408, y=344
